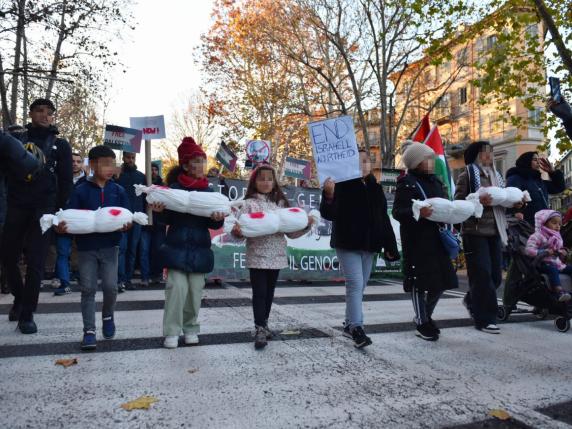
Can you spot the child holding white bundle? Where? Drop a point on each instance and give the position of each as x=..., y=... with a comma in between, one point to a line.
x=265, y=255
x=98, y=252
x=186, y=252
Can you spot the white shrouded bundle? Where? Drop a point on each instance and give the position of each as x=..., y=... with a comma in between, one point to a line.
x=292, y=219
x=198, y=203
x=259, y=224
x=445, y=211
x=206, y=203
x=505, y=197
x=229, y=223
x=105, y=219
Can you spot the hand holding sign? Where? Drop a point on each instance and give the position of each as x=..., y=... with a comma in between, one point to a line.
x=335, y=149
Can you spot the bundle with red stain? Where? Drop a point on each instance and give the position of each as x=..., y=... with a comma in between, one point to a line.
x=105, y=219
x=259, y=224
x=292, y=219
x=194, y=202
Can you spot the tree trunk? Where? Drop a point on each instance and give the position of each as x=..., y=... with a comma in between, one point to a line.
x=17, y=54
x=57, y=51
x=564, y=52
x=25, y=81
x=6, y=118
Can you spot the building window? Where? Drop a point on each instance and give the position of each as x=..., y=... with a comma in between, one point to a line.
x=462, y=57
x=491, y=42
x=535, y=118
x=531, y=34
x=464, y=133
x=463, y=95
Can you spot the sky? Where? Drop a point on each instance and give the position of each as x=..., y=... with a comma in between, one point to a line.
x=158, y=57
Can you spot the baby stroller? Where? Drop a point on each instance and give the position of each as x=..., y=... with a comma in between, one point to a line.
x=530, y=286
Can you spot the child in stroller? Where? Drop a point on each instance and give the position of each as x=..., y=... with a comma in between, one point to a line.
x=547, y=243
x=531, y=286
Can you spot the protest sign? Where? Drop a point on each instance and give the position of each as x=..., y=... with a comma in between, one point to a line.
x=122, y=138
x=153, y=127
x=389, y=176
x=226, y=157
x=335, y=149
x=298, y=168
x=310, y=257
x=258, y=150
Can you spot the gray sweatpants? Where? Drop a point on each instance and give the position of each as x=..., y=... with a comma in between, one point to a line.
x=95, y=264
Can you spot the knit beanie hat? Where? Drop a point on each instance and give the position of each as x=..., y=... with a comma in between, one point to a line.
x=472, y=151
x=188, y=150
x=415, y=154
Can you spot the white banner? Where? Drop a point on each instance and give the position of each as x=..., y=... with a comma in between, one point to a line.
x=153, y=127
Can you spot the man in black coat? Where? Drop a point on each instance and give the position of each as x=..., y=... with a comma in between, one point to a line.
x=28, y=199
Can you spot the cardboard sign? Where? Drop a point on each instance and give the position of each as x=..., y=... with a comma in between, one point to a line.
x=335, y=149
x=389, y=176
x=153, y=127
x=258, y=150
x=122, y=138
x=226, y=157
x=298, y=168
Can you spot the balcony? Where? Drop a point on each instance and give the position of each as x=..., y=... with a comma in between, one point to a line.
x=460, y=110
x=456, y=150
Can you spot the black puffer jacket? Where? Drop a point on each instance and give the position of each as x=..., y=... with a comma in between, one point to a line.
x=360, y=219
x=426, y=264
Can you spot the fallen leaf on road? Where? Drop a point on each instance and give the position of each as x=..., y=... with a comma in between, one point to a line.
x=192, y=370
x=290, y=332
x=67, y=362
x=141, y=403
x=499, y=414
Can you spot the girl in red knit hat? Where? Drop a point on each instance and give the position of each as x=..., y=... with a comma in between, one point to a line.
x=186, y=252
x=265, y=255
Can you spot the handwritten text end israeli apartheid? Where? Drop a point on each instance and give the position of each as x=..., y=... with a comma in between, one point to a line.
x=335, y=149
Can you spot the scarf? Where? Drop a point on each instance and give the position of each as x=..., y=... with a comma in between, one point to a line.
x=554, y=238
x=191, y=183
x=498, y=211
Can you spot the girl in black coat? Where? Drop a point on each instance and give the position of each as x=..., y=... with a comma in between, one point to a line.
x=186, y=252
x=427, y=268
x=361, y=227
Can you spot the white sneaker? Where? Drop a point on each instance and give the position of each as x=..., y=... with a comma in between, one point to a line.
x=171, y=342
x=491, y=329
x=191, y=339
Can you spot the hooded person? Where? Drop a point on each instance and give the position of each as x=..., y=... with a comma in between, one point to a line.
x=427, y=268
x=186, y=252
x=483, y=238
x=547, y=244
x=526, y=176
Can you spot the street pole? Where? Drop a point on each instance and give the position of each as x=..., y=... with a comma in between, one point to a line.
x=148, y=175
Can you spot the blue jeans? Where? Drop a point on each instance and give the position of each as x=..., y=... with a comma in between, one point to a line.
x=145, y=253
x=128, y=253
x=63, y=247
x=554, y=274
x=356, y=266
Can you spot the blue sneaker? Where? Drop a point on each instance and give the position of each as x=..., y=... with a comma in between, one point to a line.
x=88, y=342
x=108, y=328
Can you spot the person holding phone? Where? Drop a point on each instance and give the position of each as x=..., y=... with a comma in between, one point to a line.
x=526, y=176
x=559, y=106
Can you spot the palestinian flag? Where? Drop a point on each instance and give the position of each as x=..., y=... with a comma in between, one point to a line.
x=226, y=157
x=423, y=130
x=433, y=140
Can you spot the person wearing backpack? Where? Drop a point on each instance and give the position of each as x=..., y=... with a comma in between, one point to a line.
x=27, y=200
